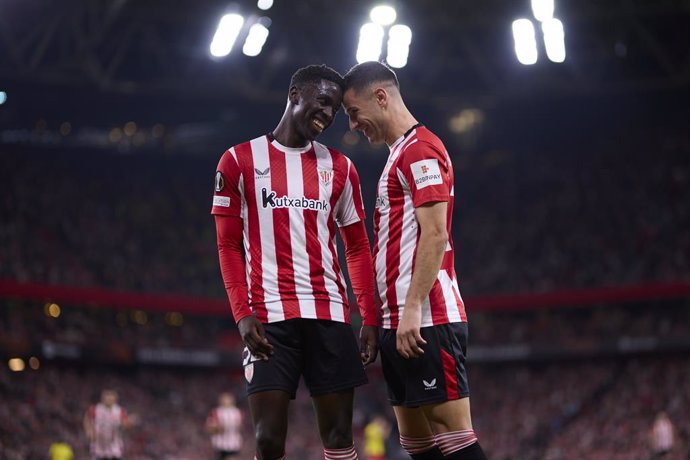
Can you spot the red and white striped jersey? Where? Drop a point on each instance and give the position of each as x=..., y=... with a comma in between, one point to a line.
x=290, y=201
x=418, y=171
x=230, y=421
x=107, y=425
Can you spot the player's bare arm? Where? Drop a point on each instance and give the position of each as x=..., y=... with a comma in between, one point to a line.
x=433, y=238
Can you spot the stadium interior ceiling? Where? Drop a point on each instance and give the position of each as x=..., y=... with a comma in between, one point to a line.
x=102, y=62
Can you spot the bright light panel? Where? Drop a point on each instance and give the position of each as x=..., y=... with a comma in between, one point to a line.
x=383, y=15
x=228, y=29
x=542, y=9
x=370, y=42
x=3, y=97
x=525, y=41
x=399, y=39
x=258, y=34
x=264, y=4
x=554, y=39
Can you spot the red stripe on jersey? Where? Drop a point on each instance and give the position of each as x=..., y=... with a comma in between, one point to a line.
x=311, y=228
x=450, y=375
x=244, y=156
x=439, y=315
x=281, y=224
x=339, y=162
x=395, y=220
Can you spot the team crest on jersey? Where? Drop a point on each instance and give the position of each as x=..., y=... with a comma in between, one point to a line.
x=220, y=181
x=262, y=174
x=325, y=176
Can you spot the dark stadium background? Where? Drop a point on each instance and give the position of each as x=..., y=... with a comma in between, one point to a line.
x=572, y=220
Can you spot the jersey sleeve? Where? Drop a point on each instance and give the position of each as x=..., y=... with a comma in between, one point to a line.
x=427, y=173
x=349, y=207
x=227, y=196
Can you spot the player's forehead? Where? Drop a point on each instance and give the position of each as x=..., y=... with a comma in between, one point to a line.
x=354, y=100
x=323, y=87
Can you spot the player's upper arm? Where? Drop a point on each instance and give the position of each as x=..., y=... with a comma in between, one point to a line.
x=349, y=207
x=432, y=218
x=227, y=196
x=428, y=173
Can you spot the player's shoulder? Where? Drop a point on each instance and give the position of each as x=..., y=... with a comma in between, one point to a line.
x=423, y=139
x=238, y=154
x=338, y=158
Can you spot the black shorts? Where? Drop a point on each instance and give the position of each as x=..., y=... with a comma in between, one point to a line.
x=324, y=352
x=437, y=376
x=225, y=454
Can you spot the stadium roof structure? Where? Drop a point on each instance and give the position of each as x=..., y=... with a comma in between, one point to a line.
x=81, y=54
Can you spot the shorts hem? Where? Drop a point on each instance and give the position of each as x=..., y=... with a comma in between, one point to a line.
x=290, y=391
x=426, y=402
x=335, y=389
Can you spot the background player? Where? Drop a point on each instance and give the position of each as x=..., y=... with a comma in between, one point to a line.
x=278, y=199
x=225, y=425
x=425, y=327
x=103, y=425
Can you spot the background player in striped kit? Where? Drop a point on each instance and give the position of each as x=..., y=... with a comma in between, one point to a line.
x=278, y=199
x=424, y=324
x=225, y=425
x=104, y=424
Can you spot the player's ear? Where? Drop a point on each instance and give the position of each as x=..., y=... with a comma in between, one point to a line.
x=381, y=96
x=293, y=95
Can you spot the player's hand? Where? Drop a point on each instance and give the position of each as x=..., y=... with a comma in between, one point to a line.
x=254, y=337
x=368, y=344
x=408, y=338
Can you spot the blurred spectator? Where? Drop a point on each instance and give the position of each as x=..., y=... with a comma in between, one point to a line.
x=376, y=433
x=661, y=436
x=224, y=423
x=104, y=424
x=60, y=451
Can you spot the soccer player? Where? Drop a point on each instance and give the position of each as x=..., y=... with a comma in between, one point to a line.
x=424, y=336
x=278, y=199
x=225, y=425
x=103, y=424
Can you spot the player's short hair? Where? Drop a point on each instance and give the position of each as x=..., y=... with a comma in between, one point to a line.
x=314, y=74
x=364, y=74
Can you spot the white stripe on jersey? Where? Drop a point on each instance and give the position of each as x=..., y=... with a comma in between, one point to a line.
x=298, y=242
x=324, y=161
x=269, y=269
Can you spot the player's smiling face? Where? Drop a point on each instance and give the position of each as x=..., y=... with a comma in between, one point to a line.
x=365, y=114
x=317, y=104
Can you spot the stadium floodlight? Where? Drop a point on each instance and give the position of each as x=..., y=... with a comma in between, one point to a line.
x=383, y=15
x=542, y=9
x=229, y=28
x=3, y=97
x=554, y=39
x=370, y=42
x=264, y=4
x=525, y=41
x=258, y=33
x=399, y=39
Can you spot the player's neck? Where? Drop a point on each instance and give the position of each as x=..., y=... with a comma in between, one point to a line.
x=401, y=122
x=287, y=136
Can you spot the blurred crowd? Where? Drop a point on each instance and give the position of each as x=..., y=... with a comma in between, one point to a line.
x=615, y=213
x=601, y=410
x=29, y=323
